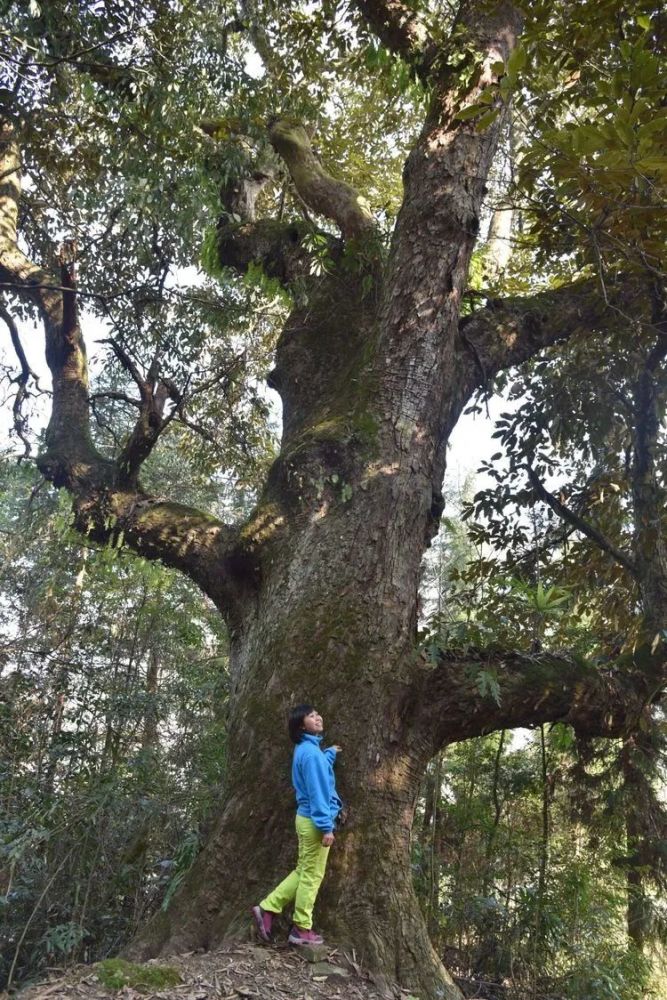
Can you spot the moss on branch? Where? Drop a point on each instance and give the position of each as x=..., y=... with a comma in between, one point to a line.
x=448, y=705
x=321, y=192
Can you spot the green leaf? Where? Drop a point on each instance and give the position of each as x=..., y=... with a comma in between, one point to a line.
x=487, y=119
x=517, y=60
x=488, y=686
x=470, y=112
x=652, y=164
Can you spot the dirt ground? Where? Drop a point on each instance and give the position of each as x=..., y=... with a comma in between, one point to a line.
x=234, y=972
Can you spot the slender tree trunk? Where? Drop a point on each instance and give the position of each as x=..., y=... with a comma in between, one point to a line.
x=503, y=218
x=639, y=803
x=497, y=811
x=149, y=733
x=433, y=922
x=544, y=851
x=499, y=247
x=429, y=802
x=638, y=907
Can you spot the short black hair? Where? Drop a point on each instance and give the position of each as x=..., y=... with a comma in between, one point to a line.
x=295, y=723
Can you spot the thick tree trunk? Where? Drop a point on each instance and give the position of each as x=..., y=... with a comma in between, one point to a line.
x=333, y=623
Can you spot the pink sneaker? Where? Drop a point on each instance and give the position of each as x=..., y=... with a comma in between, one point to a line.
x=263, y=922
x=298, y=935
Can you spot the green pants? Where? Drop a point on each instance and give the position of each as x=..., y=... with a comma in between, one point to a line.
x=302, y=884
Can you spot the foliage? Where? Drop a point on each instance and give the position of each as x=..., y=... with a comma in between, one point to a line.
x=523, y=843
x=494, y=923
x=113, y=738
x=593, y=167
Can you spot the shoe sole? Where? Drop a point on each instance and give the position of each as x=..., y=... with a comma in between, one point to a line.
x=259, y=923
x=299, y=941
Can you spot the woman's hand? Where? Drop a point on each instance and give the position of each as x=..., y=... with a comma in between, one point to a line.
x=327, y=839
x=337, y=748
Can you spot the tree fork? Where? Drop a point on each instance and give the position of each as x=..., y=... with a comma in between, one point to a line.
x=105, y=509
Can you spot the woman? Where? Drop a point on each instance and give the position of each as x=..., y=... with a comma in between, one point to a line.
x=318, y=806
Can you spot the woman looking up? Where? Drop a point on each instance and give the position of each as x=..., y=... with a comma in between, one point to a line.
x=317, y=806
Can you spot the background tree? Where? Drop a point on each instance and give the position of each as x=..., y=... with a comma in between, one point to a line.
x=112, y=739
x=530, y=837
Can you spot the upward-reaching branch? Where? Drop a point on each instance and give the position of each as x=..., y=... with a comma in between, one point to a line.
x=327, y=196
x=68, y=434
x=445, y=183
x=151, y=422
x=252, y=21
x=278, y=246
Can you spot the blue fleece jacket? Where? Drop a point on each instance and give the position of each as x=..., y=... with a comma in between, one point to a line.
x=314, y=782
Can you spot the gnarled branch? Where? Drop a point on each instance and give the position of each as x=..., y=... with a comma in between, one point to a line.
x=109, y=506
x=464, y=696
x=187, y=539
x=278, y=246
x=68, y=433
x=275, y=245
x=509, y=331
x=336, y=200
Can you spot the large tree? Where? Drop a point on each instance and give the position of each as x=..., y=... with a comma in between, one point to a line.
x=374, y=364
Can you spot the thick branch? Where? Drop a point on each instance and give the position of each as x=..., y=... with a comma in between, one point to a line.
x=327, y=196
x=398, y=28
x=16, y=269
x=186, y=539
x=509, y=331
x=143, y=438
x=276, y=246
x=466, y=696
x=568, y=515
x=68, y=433
x=253, y=21
x=424, y=375
x=182, y=537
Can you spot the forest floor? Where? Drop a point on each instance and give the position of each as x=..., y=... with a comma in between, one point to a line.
x=235, y=972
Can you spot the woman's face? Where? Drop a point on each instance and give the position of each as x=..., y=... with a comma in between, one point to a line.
x=312, y=723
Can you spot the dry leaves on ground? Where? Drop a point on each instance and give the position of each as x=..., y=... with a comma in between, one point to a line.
x=234, y=972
